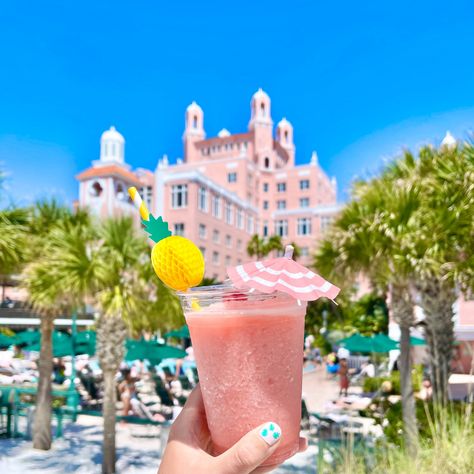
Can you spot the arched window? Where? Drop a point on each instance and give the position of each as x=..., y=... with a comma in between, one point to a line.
x=96, y=189
x=262, y=109
x=113, y=149
x=120, y=191
x=286, y=136
x=105, y=149
x=195, y=122
x=266, y=162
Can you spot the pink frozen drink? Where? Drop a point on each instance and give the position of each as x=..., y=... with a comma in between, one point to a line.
x=249, y=354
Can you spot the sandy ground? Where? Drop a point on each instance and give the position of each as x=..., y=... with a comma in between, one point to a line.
x=138, y=447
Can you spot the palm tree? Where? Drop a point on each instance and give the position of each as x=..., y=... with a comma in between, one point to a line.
x=58, y=279
x=124, y=297
x=440, y=247
x=369, y=237
x=13, y=232
x=260, y=247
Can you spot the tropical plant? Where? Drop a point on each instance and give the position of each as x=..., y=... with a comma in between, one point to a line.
x=260, y=247
x=13, y=232
x=124, y=304
x=59, y=278
x=370, y=237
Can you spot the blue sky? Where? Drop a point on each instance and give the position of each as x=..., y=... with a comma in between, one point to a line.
x=358, y=80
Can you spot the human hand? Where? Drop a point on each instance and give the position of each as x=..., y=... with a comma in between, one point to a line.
x=189, y=446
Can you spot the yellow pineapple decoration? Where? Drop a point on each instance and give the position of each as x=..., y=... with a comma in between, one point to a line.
x=176, y=260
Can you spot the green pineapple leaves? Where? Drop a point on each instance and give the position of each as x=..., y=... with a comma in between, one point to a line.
x=156, y=228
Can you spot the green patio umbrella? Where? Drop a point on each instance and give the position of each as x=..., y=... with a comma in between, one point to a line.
x=6, y=341
x=417, y=341
x=180, y=333
x=63, y=345
x=385, y=342
x=27, y=337
x=367, y=345
x=139, y=350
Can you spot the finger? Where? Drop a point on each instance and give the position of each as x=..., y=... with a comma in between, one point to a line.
x=193, y=409
x=303, y=444
x=251, y=450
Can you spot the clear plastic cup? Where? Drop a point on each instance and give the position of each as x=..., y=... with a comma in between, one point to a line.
x=249, y=353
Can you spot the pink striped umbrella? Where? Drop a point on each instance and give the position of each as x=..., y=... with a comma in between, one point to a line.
x=283, y=274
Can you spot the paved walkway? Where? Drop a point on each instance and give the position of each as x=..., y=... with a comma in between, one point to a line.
x=318, y=389
x=138, y=447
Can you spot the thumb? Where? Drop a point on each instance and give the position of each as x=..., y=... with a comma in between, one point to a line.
x=251, y=450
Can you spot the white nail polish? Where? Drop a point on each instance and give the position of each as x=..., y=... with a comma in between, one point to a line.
x=270, y=432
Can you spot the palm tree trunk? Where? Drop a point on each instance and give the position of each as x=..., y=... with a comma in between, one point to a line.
x=437, y=299
x=109, y=414
x=402, y=311
x=42, y=421
x=111, y=334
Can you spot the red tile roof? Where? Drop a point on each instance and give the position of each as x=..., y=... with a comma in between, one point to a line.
x=109, y=170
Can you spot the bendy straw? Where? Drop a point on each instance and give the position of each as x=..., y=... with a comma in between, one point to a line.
x=139, y=204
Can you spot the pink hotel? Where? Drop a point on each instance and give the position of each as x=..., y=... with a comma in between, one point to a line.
x=230, y=187
x=226, y=188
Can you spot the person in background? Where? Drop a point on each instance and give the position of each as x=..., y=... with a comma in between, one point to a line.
x=343, y=377
x=127, y=391
x=368, y=369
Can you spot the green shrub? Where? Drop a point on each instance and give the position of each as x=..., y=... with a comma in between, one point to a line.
x=373, y=384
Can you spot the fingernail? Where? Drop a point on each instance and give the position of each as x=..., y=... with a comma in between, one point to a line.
x=270, y=432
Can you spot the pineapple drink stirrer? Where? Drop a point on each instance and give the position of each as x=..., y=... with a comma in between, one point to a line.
x=178, y=263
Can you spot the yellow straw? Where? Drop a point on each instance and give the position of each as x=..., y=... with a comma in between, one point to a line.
x=139, y=204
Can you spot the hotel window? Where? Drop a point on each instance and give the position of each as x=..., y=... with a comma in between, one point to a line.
x=265, y=229
x=304, y=251
x=304, y=202
x=325, y=222
x=227, y=260
x=215, y=236
x=281, y=204
x=228, y=213
x=203, y=251
x=231, y=177
x=250, y=224
x=304, y=184
x=215, y=258
x=281, y=228
x=202, y=199
x=228, y=241
x=179, y=196
x=202, y=231
x=267, y=162
x=265, y=187
x=216, y=206
x=239, y=244
x=179, y=229
x=265, y=204
x=281, y=187
x=147, y=194
x=240, y=219
x=304, y=226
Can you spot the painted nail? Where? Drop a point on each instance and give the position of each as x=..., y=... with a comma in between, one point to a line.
x=270, y=432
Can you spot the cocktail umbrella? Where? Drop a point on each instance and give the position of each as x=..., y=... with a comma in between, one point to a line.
x=182, y=332
x=283, y=274
x=140, y=350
